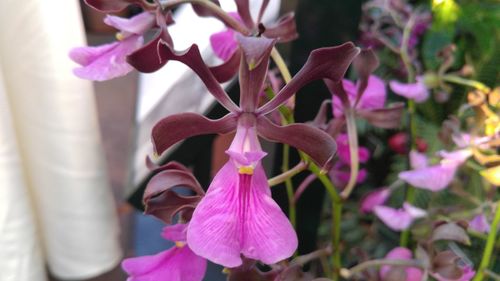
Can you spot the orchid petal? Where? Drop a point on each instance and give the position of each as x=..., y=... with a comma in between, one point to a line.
x=330, y=63
x=374, y=93
x=192, y=58
x=224, y=44
x=386, y=118
x=202, y=11
x=284, y=30
x=314, y=142
x=253, y=69
x=175, y=233
x=107, y=61
x=344, y=153
x=400, y=253
x=375, y=198
x=175, y=264
x=147, y=59
x=243, y=7
x=344, y=94
x=395, y=219
x=109, y=6
x=457, y=157
x=413, y=211
x=418, y=160
x=226, y=71
x=322, y=116
x=433, y=178
x=364, y=64
x=480, y=224
x=416, y=91
x=238, y=216
x=177, y=127
x=137, y=24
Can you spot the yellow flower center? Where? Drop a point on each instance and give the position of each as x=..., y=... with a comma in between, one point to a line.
x=246, y=170
x=180, y=244
x=119, y=36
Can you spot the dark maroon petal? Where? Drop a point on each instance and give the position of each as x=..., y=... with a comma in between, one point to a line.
x=147, y=59
x=285, y=29
x=337, y=88
x=263, y=8
x=364, y=64
x=177, y=127
x=387, y=118
x=192, y=58
x=243, y=7
x=331, y=63
x=168, y=179
x=314, y=142
x=253, y=69
x=322, y=115
x=172, y=165
x=167, y=204
x=228, y=69
x=109, y=6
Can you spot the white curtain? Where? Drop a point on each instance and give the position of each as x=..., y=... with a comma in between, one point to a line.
x=56, y=207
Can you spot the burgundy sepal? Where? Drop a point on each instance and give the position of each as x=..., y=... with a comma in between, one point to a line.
x=110, y=6
x=285, y=29
x=386, y=118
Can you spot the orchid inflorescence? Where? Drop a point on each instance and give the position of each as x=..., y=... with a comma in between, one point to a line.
x=236, y=223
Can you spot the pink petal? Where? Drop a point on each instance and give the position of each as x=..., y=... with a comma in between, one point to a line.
x=434, y=178
x=416, y=91
x=418, y=160
x=238, y=216
x=413, y=211
x=400, y=253
x=374, y=198
x=344, y=153
x=105, y=62
x=224, y=44
x=395, y=219
x=245, y=148
x=350, y=89
x=479, y=224
x=175, y=233
x=374, y=95
x=137, y=25
x=457, y=157
x=467, y=274
x=175, y=264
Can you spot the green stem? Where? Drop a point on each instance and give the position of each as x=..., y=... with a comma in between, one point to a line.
x=465, y=82
x=280, y=63
x=292, y=211
x=336, y=201
x=288, y=174
x=490, y=244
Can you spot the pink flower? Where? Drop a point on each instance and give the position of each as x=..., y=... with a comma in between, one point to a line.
x=399, y=219
x=400, y=253
x=109, y=61
x=340, y=173
x=416, y=91
x=374, y=198
x=238, y=216
x=480, y=224
x=436, y=177
x=176, y=264
x=373, y=96
x=224, y=43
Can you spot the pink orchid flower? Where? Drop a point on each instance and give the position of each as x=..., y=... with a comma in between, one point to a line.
x=237, y=216
x=224, y=43
x=436, y=177
x=479, y=224
x=175, y=264
x=340, y=173
x=400, y=253
x=399, y=219
x=416, y=91
x=374, y=198
x=109, y=61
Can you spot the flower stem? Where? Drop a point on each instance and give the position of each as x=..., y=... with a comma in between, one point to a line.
x=352, y=135
x=350, y=273
x=336, y=218
x=490, y=244
x=465, y=82
x=288, y=174
x=280, y=63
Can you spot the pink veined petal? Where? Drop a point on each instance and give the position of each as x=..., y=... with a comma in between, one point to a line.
x=416, y=91
x=434, y=178
x=176, y=232
x=106, y=62
x=374, y=95
x=418, y=160
x=480, y=224
x=224, y=44
x=374, y=198
x=137, y=24
x=175, y=264
x=395, y=219
x=400, y=253
x=238, y=216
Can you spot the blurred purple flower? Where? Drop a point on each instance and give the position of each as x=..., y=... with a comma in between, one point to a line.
x=416, y=91
x=400, y=253
x=178, y=263
x=399, y=219
x=109, y=61
x=374, y=198
x=480, y=224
